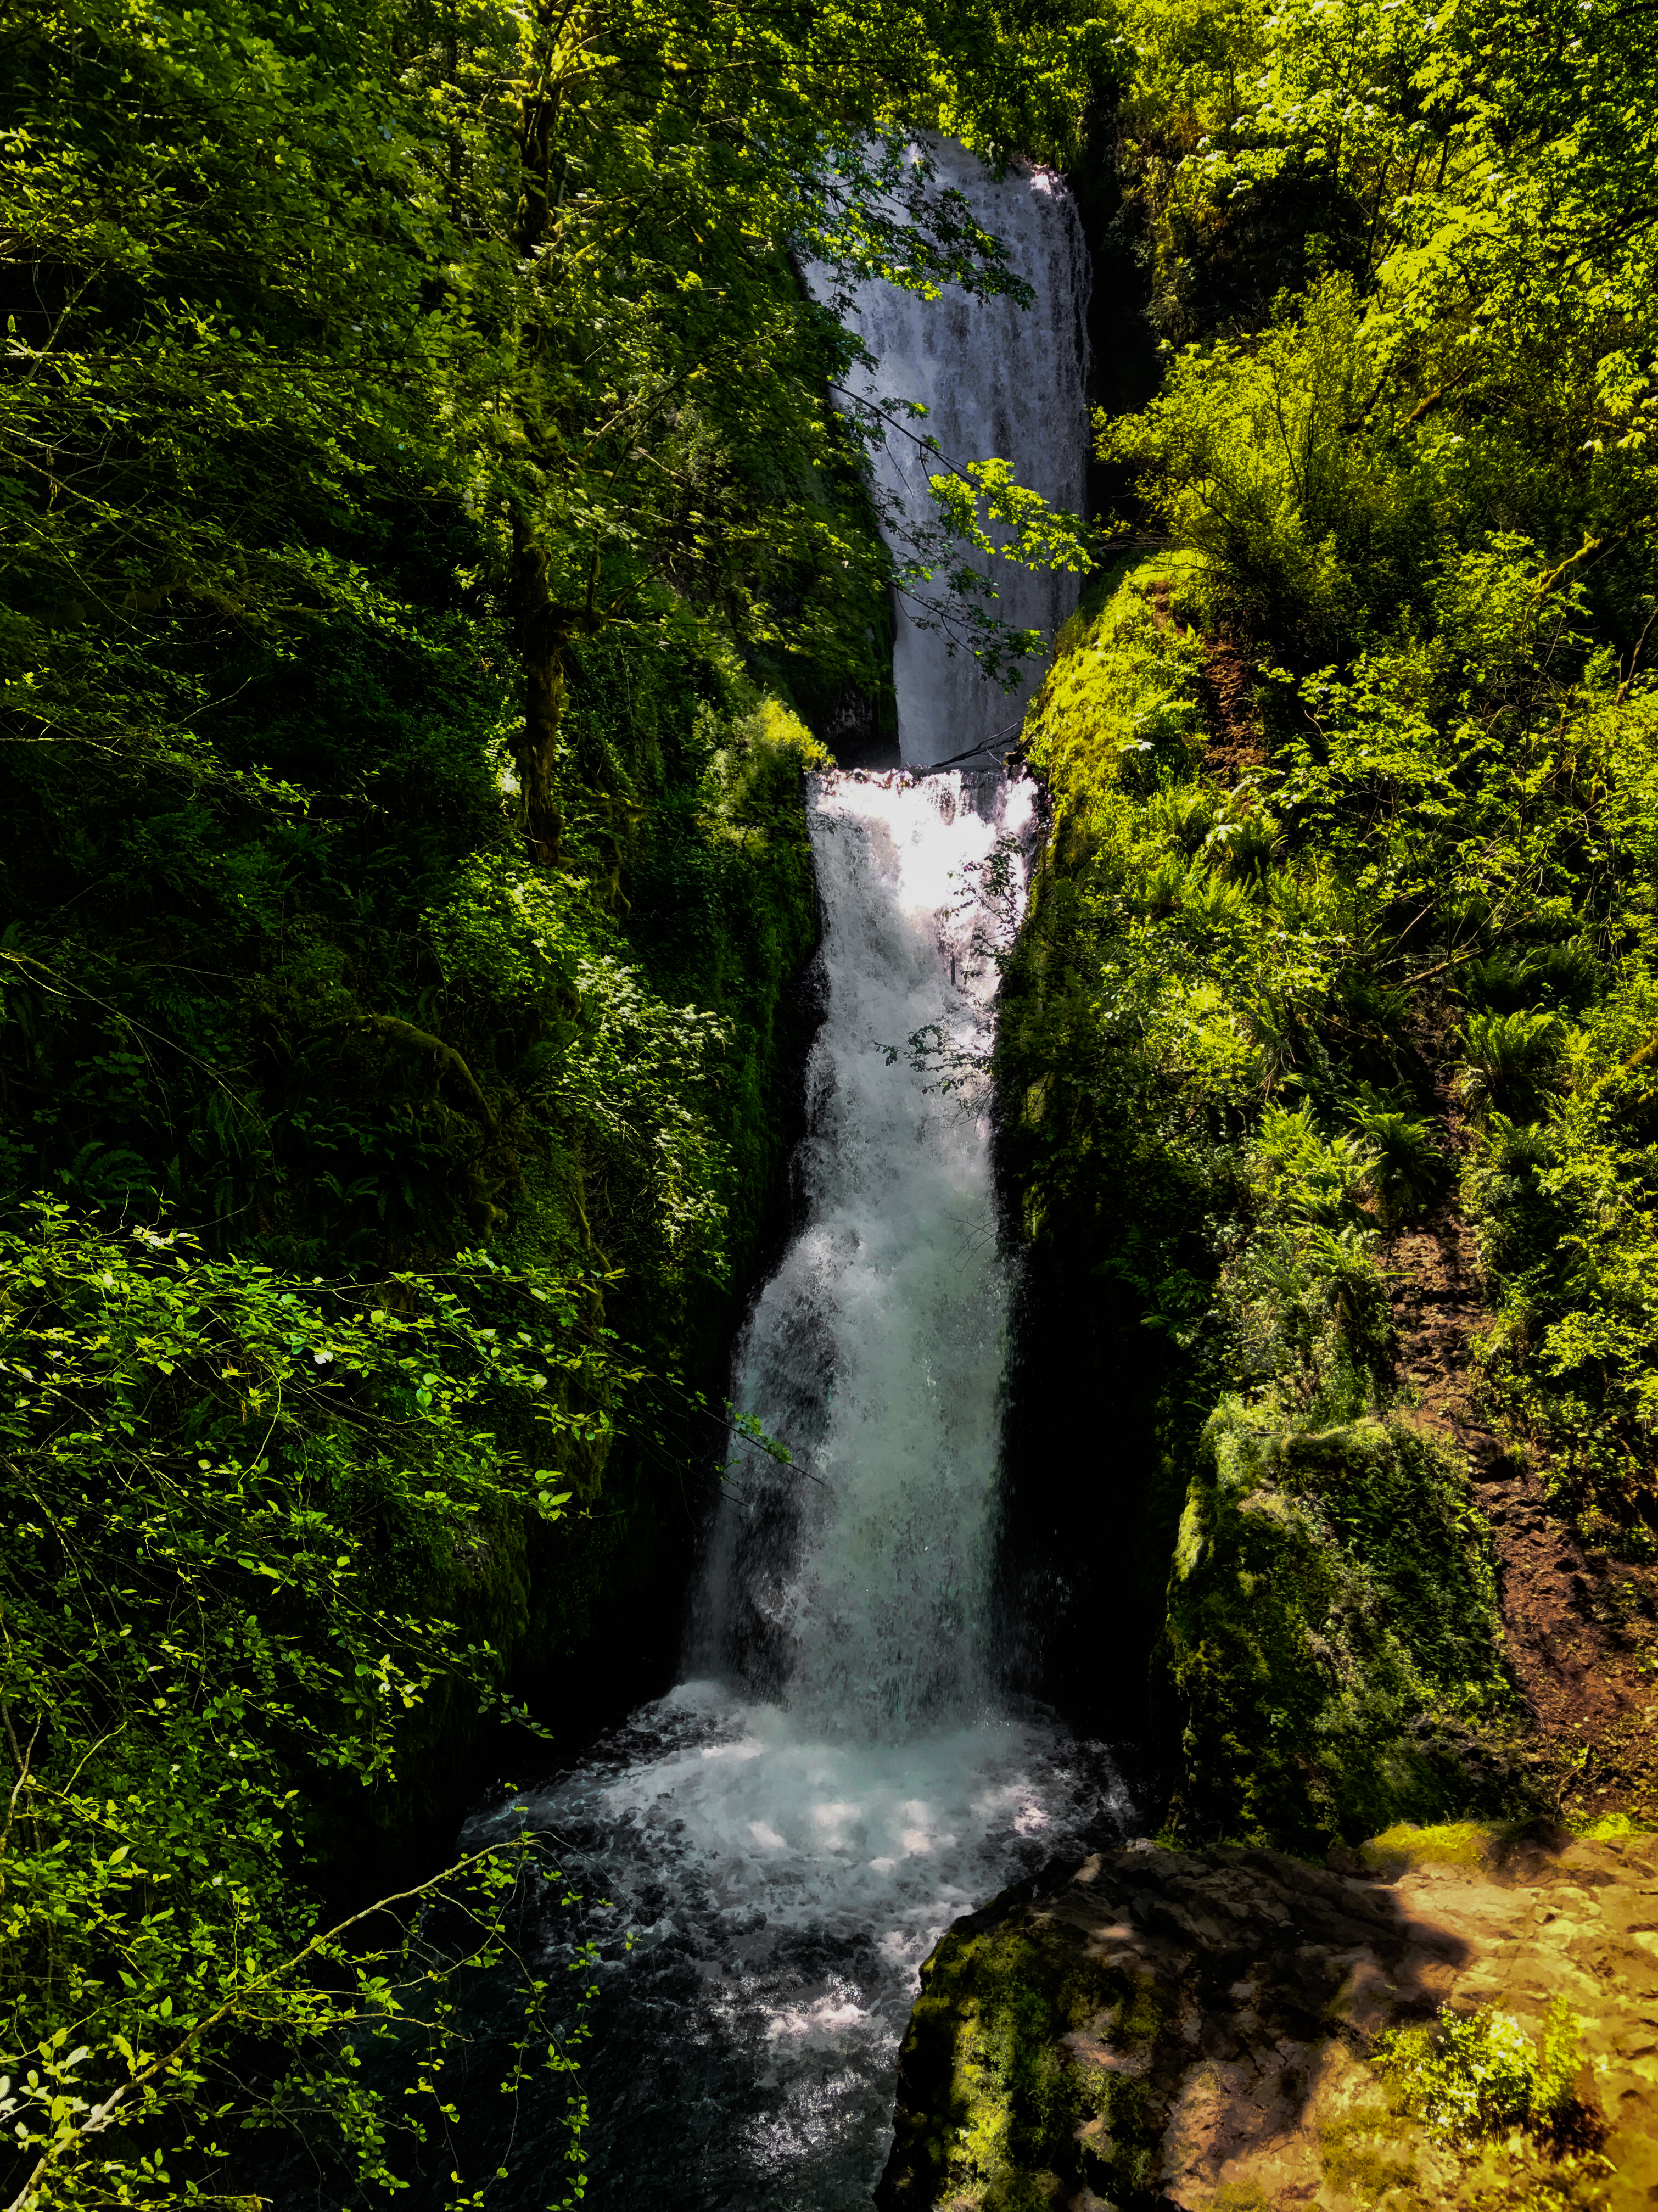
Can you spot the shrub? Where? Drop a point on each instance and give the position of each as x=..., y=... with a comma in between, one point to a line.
x=1409, y=1165
x=264, y=1536
x=1480, y=2073
x=1312, y=1176
x=1507, y=1060
x=1259, y=457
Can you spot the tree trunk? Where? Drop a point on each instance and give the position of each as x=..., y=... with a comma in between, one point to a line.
x=540, y=642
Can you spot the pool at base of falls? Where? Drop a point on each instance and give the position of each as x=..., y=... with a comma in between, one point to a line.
x=762, y=1896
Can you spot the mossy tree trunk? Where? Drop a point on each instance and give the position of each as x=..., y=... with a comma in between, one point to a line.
x=540, y=635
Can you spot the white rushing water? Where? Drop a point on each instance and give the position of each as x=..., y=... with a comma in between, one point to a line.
x=784, y=1838
x=854, y=1578
x=998, y=381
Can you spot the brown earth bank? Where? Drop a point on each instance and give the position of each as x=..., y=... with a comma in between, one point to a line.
x=1581, y=1627
x=1231, y=709
x=1202, y=2030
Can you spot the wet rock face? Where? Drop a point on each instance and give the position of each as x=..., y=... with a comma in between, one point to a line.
x=1193, y=2030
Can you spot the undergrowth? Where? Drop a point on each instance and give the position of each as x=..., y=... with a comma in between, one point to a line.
x=1254, y=1028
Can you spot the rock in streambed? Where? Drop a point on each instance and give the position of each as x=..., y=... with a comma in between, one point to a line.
x=1201, y=2029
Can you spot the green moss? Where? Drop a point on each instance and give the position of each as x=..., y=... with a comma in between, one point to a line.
x=1239, y=2197
x=991, y=2109
x=1121, y=702
x=1367, y=2153
x=1454, y=1843
x=1610, y=1828
x=1331, y=1638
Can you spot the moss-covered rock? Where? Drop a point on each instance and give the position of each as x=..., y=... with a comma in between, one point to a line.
x=1056, y=2029
x=1332, y=1652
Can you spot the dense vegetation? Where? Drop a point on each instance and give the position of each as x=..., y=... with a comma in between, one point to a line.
x=1346, y=923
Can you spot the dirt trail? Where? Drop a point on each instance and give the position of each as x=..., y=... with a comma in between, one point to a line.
x=1581, y=1630
x=1237, y=741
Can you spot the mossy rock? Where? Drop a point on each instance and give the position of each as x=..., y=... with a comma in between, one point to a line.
x=1331, y=1656
x=991, y=2109
x=1222, y=2030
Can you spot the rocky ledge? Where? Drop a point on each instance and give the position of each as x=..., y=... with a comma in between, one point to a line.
x=1201, y=2029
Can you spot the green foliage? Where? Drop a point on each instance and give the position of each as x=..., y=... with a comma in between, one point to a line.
x=1477, y=173
x=1507, y=1060
x=1409, y=1168
x=1457, y=813
x=1258, y=458
x=1223, y=1114
x=1480, y=2073
x=1309, y=1321
x=1565, y=1216
x=1267, y=1008
x=1310, y=1176
x=252, y=1531
x=277, y=285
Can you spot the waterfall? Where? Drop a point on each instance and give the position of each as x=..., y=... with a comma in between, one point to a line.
x=782, y=1840
x=1000, y=381
x=769, y=1852
x=852, y=1580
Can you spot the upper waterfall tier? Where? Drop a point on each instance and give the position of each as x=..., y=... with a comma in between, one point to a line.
x=997, y=380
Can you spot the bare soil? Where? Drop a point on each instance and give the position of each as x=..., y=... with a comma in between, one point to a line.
x=1583, y=1636
x=1237, y=741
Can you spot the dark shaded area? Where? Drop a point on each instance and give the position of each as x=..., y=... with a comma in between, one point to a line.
x=1089, y=1500
x=861, y=728
x=1274, y=235
x=1124, y=369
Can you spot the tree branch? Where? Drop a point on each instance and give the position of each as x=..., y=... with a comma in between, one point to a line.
x=414, y=1040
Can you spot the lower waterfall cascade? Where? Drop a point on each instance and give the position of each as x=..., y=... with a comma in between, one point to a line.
x=779, y=1842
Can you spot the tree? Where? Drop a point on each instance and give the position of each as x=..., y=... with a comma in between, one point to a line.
x=642, y=179
x=239, y=1567
x=270, y=277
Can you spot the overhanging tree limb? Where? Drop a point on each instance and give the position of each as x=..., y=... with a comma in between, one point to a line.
x=413, y=1039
